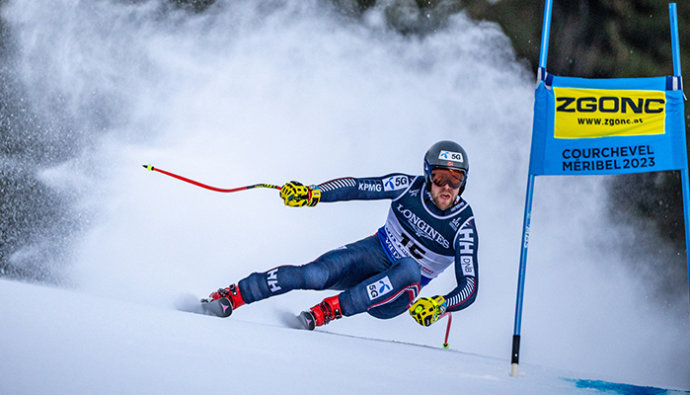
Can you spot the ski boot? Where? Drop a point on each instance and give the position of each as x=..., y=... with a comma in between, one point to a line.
x=223, y=301
x=322, y=313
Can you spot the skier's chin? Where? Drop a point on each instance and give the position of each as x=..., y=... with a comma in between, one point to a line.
x=443, y=201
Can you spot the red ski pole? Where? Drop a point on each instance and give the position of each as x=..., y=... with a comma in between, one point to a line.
x=167, y=173
x=450, y=320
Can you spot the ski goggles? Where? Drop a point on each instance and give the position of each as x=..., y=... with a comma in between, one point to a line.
x=453, y=178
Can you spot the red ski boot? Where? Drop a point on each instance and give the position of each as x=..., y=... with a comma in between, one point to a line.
x=322, y=313
x=223, y=301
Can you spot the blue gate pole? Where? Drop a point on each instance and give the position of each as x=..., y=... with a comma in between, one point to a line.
x=674, y=38
x=515, y=355
x=545, y=29
x=684, y=171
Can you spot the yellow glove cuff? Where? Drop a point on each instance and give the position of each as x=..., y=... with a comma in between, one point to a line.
x=314, y=197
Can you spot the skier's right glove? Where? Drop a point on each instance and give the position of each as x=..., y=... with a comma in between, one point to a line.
x=297, y=195
x=426, y=311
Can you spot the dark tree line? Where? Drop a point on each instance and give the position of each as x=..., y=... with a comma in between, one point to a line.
x=33, y=218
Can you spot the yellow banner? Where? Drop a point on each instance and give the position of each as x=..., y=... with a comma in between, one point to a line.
x=588, y=113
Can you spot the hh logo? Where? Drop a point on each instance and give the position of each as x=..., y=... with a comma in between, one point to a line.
x=380, y=287
x=272, y=279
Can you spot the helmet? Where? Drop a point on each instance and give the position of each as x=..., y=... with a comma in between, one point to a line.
x=446, y=154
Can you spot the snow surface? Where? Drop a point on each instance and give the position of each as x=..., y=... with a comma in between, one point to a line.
x=63, y=342
x=251, y=92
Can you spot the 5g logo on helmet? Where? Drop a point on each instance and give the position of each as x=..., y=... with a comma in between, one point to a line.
x=452, y=156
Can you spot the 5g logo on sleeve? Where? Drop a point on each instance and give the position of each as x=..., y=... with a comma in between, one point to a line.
x=394, y=183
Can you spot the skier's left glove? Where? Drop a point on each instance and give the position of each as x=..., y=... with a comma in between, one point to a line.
x=297, y=195
x=426, y=311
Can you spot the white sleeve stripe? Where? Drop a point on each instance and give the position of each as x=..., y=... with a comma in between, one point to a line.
x=464, y=294
x=338, y=183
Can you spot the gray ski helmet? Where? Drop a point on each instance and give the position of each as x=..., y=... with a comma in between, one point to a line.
x=446, y=154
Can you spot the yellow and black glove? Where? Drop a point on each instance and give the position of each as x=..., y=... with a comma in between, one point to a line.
x=297, y=195
x=426, y=311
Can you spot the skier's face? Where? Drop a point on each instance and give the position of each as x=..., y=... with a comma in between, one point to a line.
x=445, y=186
x=444, y=196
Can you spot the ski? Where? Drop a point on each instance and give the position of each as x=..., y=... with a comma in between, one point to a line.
x=219, y=307
x=192, y=304
x=307, y=320
x=222, y=308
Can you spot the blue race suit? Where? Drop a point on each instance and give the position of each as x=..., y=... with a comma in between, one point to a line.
x=383, y=274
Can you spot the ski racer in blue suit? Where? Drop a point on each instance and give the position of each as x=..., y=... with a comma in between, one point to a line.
x=429, y=228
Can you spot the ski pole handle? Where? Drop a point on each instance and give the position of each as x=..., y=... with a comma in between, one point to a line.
x=212, y=188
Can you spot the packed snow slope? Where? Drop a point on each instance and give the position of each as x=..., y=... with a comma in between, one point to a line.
x=64, y=342
x=271, y=91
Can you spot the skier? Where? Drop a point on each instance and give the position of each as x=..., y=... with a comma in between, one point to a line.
x=429, y=227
